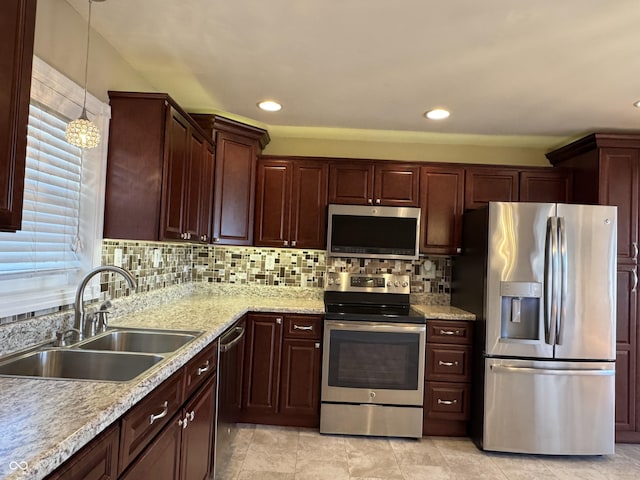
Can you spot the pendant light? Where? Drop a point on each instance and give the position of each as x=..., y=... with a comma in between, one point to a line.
x=82, y=132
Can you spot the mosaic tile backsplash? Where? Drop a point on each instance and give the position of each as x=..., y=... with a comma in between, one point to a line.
x=157, y=265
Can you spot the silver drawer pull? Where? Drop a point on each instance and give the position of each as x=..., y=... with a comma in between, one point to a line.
x=447, y=402
x=184, y=423
x=204, y=368
x=165, y=410
x=447, y=364
x=303, y=327
x=449, y=332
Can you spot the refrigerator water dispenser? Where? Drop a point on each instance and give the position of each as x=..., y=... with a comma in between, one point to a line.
x=520, y=310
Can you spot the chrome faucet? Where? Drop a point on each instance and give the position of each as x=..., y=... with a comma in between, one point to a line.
x=80, y=320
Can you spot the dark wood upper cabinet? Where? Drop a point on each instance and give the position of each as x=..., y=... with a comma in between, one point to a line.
x=369, y=183
x=237, y=148
x=17, y=28
x=546, y=186
x=291, y=202
x=441, y=203
x=490, y=184
x=159, y=171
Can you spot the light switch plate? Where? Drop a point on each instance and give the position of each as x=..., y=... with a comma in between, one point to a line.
x=117, y=257
x=157, y=257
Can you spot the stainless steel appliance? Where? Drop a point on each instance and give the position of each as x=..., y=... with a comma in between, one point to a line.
x=541, y=280
x=373, y=231
x=230, y=366
x=373, y=357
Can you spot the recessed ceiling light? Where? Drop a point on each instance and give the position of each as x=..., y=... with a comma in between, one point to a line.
x=437, y=114
x=269, y=106
x=636, y=104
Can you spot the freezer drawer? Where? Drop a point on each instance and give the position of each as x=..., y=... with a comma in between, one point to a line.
x=557, y=408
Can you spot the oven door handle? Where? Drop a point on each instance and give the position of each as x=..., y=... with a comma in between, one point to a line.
x=376, y=326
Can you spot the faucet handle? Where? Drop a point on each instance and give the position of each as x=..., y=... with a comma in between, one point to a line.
x=101, y=320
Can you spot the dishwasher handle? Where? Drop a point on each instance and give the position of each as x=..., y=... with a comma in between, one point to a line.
x=225, y=345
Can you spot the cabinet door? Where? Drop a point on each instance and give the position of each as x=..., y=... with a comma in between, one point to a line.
x=17, y=27
x=441, y=203
x=300, y=384
x=96, y=461
x=626, y=349
x=309, y=204
x=396, y=185
x=484, y=185
x=161, y=459
x=262, y=367
x=206, y=193
x=176, y=176
x=236, y=158
x=619, y=186
x=193, y=186
x=273, y=203
x=197, y=435
x=553, y=186
x=351, y=183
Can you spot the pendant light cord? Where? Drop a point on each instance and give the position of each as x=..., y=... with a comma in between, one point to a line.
x=86, y=63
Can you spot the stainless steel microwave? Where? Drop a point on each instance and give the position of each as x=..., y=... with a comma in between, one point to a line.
x=373, y=232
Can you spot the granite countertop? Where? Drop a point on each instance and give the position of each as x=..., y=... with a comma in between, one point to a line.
x=443, y=312
x=44, y=422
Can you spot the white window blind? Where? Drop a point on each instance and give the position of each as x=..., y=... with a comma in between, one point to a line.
x=48, y=241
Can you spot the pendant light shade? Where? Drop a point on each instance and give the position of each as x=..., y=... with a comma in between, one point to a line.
x=82, y=132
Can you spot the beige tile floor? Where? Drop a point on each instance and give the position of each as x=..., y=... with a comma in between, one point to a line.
x=269, y=453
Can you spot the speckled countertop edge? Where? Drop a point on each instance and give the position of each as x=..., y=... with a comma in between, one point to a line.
x=44, y=422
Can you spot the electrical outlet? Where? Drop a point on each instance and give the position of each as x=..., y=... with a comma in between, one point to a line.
x=117, y=257
x=157, y=257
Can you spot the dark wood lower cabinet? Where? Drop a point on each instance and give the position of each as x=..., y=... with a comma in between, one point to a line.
x=96, y=461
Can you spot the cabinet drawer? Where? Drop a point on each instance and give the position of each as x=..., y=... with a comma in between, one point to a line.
x=146, y=419
x=447, y=401
x=200, y=368
x=448, y=363
x=449, y=331
x=303, y=326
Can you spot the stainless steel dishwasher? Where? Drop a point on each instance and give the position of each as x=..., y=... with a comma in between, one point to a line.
x=230, y=368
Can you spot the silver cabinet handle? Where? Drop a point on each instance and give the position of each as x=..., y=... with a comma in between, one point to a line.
x=216, y=239
x=635, y=251
x=377, y=201
x=447, y=364
x=635, y=279
x=204, y=368
x=279, y=320
x=185, y=422
x=303, y=327
x=191, y=415
x=370, y=201
x=449, y=332
x=293, y=243
x=204, y=238
x=165, y=410
x=317, y=345
x=286, y=243
x=447, y=402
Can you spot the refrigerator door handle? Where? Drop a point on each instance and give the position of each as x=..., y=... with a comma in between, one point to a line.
x=551, y=281
x=562, y=310
x=549, y=371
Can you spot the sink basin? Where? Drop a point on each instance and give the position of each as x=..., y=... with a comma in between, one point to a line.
x=146, y=341
x=79, y=365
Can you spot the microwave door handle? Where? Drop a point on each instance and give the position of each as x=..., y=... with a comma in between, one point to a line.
x=562, y=311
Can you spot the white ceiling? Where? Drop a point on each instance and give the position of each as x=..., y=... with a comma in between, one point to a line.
x=503, y=67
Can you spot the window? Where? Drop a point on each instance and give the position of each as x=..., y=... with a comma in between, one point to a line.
x=41, y=265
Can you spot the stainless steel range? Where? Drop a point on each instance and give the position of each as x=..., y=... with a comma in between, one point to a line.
x=373, y=360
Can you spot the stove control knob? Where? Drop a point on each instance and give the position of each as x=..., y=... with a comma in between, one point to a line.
x=396, y=284
x=372, y=395
x=404, y=284
x=330, y=281
x=337, y=281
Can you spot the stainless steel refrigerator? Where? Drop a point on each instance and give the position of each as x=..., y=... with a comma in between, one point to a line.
x=541, y=280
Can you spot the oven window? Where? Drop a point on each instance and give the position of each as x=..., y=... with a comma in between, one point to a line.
x=383, y=360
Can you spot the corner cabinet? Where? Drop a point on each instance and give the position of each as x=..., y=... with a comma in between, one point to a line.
x=237, y=148
x=159, y=171
x=606, y=171
x=374, y=183
x=17, y=28
x=282, y=370
x=291, y=203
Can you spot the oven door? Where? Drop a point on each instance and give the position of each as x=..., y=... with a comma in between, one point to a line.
x=373, y=363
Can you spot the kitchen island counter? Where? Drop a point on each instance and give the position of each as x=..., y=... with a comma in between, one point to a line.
x=44, y=422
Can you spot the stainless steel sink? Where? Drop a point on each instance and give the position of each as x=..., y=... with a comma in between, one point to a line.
x=139, y=340
x=79, y=365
